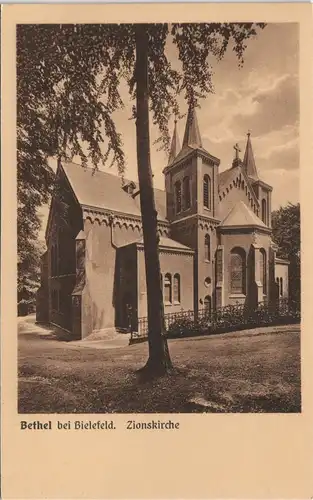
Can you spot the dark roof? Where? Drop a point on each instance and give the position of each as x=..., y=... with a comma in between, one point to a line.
x=104, y=190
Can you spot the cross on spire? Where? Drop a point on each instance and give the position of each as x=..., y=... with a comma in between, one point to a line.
x=238, y=150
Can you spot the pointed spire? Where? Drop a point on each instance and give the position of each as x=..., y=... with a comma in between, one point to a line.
x=192, y=136
x=248, y=161
x=175, y=145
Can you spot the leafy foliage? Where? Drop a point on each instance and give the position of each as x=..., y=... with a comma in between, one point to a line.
x=235, y=317
x=286, y=234
x=69, y=85
x=28, y=275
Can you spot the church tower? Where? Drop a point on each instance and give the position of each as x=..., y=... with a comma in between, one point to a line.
x=191, y=183
x=262, y=190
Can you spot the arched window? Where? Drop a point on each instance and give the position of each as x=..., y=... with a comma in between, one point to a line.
x=176, y=288
x=264, y=211
x=207, y=247
x=161, y=282
x=281, y=290
x=168, y=288
x=207, y=305
x=207, y=192
x=178, y=196
x=237, y=271
x=263, y=269
x=186, y=193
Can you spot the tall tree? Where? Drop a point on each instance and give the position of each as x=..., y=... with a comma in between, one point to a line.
x=286, y=234
x=68, y=90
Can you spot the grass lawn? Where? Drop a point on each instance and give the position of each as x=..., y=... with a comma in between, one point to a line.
x=252, y=371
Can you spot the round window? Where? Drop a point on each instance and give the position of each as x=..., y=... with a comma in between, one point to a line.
x=207, y=282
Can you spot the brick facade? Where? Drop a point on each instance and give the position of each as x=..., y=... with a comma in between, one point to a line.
x=215, y=242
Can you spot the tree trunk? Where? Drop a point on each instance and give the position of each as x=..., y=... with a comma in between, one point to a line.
x=159, y=359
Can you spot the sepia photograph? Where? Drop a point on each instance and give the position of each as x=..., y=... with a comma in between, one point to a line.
x=158, y=218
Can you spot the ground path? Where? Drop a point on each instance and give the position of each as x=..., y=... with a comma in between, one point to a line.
x=250, y=371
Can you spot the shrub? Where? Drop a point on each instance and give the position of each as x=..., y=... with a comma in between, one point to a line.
x=233, y=317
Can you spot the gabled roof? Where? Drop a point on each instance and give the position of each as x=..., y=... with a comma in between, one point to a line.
x=105, y=191
x=240, y=216
x=226, y=177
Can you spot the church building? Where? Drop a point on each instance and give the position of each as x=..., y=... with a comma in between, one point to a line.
x=215, y=243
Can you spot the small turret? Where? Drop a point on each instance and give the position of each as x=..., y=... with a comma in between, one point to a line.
x=249, y=162
x=192, y=137
x=175, y=145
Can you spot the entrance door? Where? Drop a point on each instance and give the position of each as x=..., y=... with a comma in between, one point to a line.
x=126, y=311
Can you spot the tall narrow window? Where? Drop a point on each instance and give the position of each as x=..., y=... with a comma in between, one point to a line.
x=237, y=271
x=178, y=196
x=264, y=211
x=281, y=290
x=168, y=289
x=186, y=193
x=176, y=288
x=263, y=269
x=207, y=247
x=207, y=192
x=207, y=304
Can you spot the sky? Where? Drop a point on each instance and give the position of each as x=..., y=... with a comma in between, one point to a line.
x=262, y=96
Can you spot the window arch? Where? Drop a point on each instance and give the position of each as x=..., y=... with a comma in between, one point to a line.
x=178, y=196
x=168, y=288
x=263, y=269
x=281, y=287
x=207, y=192
x=207, y=304
x=237, y=271
x=207, y=247
x=264, y=211
x=186, y=193
x=176, y=287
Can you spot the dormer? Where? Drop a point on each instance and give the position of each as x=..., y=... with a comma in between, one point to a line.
x=129, y=187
